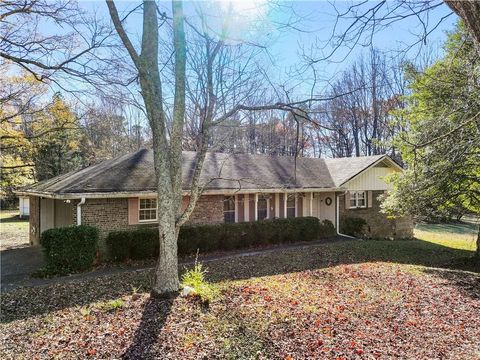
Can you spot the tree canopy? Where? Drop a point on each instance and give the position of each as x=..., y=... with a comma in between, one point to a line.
x=441, y=143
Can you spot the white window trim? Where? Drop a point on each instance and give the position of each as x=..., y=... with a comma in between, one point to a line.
x=286, y=205
x=256, y=206
x=354, y=197
x=156, y=210
x=235, y=212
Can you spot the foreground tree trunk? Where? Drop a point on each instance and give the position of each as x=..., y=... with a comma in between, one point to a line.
x=477, y=253
x=469, y=12
x=167, y=148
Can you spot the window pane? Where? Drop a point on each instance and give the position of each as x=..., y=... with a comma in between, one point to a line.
x=361, y=202
x=353, y=203
x=229, y=204
x=148, y=203
x=361, y=195
x=291, y=201
x=262, y=203
x=261, y=214
x=229, y=209
x=290, y=212
x=229, y=217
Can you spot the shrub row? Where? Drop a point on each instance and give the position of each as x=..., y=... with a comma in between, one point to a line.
x=143, y=243
x=133, y=244
x=69, y=249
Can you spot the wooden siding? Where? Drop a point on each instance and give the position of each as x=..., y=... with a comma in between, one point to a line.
x=371, y=179
x=63, y=214
x=47, y=214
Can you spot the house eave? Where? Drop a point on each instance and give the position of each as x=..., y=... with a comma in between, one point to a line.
x=127, y=194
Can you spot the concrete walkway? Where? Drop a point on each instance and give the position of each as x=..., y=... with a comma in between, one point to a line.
x=17, y=265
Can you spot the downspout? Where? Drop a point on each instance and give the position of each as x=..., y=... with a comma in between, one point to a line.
x=79, y=211
x=338, y=220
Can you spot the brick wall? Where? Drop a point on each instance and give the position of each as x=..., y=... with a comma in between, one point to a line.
x=34, y=220
x=112, y=214
x=106, y=215
x=378, y=225
x=209, y=210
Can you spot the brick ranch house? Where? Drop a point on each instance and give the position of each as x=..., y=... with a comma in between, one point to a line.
x=120, y=194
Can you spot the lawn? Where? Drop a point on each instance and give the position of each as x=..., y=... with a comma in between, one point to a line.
x=343, y=300
x=13, y=231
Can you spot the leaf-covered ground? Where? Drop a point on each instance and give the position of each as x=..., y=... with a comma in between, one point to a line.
x=346, y=300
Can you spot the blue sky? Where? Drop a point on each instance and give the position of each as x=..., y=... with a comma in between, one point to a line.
x=259, y=20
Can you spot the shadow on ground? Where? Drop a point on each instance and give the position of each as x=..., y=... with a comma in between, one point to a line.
x=153, y=319
x=467, y=283
x=24, y=303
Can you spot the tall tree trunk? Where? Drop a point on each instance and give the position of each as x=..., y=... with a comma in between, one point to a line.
x=469, y=12
x=477, y=253
x=170, y=190
x=167, y=151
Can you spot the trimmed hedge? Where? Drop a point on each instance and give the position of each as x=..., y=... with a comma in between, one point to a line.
x=352, y=226
x=143, y=243
x=69, y=249
x=136, y=244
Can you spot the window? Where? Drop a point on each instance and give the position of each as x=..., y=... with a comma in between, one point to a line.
x=262, y=208
x=229, y=209
x=147, y=210
x=290, y=206
x=358, y=199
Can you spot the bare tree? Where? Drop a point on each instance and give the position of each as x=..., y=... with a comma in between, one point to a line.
x=213, y=103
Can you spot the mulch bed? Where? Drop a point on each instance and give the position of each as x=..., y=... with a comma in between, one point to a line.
x=358, y=311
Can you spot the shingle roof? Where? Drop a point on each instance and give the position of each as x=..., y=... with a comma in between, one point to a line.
x=134, y=173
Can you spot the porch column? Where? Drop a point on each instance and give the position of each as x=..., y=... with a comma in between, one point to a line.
x=236, y=208
x=296, y=204
x=246, y=207
x=256, y=206
x=311, y=203
x=285, y=195
x=277, y=205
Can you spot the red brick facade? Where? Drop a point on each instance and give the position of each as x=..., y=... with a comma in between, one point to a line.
x=113, y=214
x=208, y=210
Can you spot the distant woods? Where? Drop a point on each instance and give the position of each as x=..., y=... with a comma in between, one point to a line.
x=356, y=119
x=44, y=135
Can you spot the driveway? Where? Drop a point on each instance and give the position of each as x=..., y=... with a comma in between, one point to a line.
x=18, y=264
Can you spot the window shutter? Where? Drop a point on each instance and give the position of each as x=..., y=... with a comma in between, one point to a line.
x=369, y=198
x=347, y=200
x=132, y=211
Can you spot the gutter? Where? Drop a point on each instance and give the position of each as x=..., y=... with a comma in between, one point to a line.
x=125, y=194
x=338, y=220
x=79, y=211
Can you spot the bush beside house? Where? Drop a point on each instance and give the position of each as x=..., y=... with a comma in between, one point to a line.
x=69, y=249
x=353, y=226
x=143, y=243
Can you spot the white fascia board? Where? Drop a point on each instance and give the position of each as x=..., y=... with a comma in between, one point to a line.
x=105, y=195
